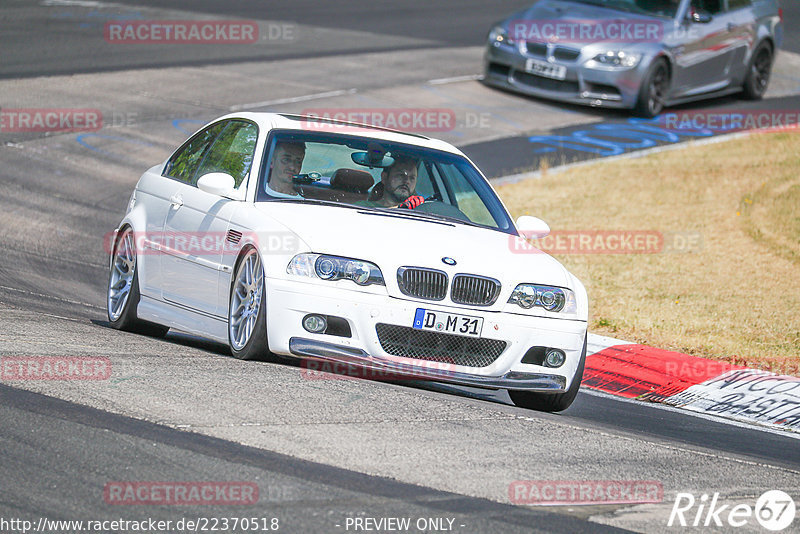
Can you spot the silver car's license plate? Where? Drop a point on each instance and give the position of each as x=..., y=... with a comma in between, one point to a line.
x=448, y=323
x=548, y=70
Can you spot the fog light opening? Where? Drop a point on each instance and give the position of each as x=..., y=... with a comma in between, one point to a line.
x=316, y=324
x=555, y=358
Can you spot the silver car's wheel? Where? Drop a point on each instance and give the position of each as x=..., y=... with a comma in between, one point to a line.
x=247, y=332
x=120, y=282
x=122, y=298
x=758, y=73
x=654, y=90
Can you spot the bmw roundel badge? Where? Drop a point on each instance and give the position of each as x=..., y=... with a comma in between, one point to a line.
x=449, y=261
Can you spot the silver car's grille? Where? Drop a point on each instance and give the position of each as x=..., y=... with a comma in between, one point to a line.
x=428, y=284
x=437, y=347
x=561, y=53
x=536, y=49
x=474, y=290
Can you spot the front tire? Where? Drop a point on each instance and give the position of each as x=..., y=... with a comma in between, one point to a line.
x=654, y=90
x=552, y=402
x=247, y=324
x=122, y=297
x=758, y=73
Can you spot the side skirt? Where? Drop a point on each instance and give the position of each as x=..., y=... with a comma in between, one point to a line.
x=183, y=319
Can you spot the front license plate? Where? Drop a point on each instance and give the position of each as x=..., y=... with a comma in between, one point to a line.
x=448, y=323
x=548, y=70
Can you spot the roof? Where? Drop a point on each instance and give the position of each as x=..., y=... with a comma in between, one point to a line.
x=314, y=124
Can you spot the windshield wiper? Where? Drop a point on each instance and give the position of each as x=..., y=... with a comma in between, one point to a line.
x=434, y=216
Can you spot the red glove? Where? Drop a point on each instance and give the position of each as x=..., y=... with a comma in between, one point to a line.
x=412, y=202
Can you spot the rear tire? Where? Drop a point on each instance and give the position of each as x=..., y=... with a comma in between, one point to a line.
x=247, y=323
x=654, y=90
x=758, y=73
x=552, y=402
x=122, y=297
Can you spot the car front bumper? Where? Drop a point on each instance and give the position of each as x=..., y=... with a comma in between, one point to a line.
x=289, y=301
x=504, y=66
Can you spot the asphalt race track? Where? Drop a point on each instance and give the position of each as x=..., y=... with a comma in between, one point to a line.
x=321, y=451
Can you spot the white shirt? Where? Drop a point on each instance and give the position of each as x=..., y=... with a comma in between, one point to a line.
x=271, y=192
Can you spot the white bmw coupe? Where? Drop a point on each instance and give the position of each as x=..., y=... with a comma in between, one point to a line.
x=334, y=242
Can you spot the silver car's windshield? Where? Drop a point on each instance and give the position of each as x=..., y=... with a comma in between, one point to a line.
x=357, y=171
x=661, y=8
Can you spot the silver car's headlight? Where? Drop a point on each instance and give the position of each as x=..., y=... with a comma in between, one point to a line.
x=552, y=299
x=618, y=58
x=327, y=267
x=499, y=35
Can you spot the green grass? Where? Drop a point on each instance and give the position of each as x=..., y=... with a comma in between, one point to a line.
x=735, y=297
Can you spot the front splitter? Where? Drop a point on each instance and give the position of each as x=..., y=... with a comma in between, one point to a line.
x=384, y=369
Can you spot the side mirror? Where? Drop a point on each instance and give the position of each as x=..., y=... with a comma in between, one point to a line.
x=532, y=227
x=701, y=16
x=218, y=183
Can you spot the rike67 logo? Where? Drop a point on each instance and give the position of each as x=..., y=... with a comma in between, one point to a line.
x=774, y=510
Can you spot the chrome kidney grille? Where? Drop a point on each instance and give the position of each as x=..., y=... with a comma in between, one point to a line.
x=474, y=290
x=428, y=284
x=431, y=284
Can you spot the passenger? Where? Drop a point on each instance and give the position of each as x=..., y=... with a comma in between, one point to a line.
x=287, y=160
x=397, y=187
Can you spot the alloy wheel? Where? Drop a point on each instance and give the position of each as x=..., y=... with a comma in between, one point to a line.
x=245, y=300
x=122, y=272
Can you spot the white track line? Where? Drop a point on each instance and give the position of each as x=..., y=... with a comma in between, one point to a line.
x=291, y=100
x=50, y=297
x=455, y=79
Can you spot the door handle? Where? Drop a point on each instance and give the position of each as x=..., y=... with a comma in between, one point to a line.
x=176, y=200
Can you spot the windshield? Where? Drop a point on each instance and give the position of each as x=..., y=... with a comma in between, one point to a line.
x=661, y=8
x=367, y=173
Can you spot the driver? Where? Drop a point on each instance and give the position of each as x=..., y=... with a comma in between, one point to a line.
x=287, y=160
x=397, y=187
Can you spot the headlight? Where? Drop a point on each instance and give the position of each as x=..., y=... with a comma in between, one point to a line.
x=499, y=35
x=618, y=58
x=327, y=267
x=553, y=299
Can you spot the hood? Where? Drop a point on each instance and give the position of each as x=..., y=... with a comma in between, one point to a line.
x=392, y=240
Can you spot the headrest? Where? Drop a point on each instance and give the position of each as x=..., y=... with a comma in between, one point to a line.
x=353, y=180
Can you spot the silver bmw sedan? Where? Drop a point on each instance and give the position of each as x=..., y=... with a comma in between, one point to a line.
x=636, y=54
